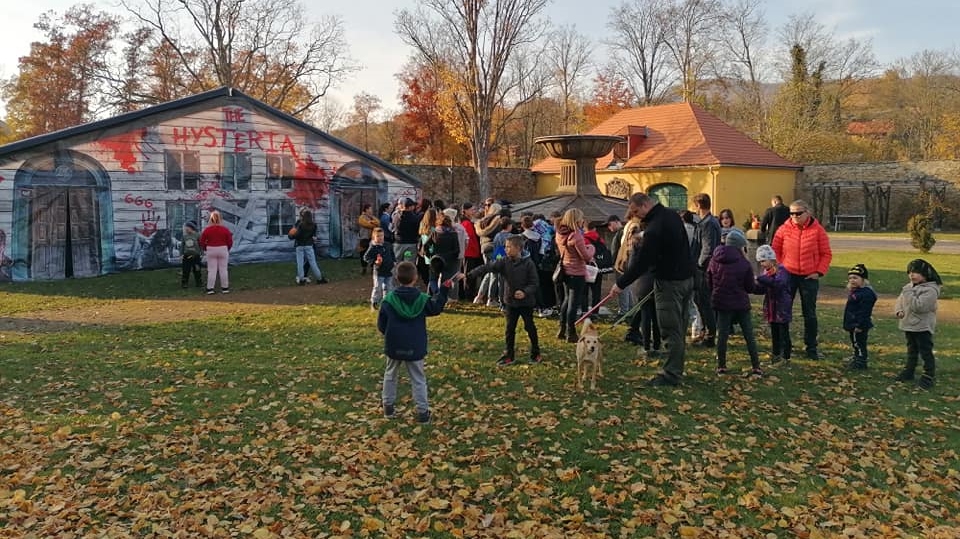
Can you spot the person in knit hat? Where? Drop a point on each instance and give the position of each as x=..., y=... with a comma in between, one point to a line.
x=731, y=281
x=774, y=283
x=190, y=254
x=916, y=309
x=858, y=314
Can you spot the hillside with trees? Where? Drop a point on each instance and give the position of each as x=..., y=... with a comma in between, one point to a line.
x=481, y=84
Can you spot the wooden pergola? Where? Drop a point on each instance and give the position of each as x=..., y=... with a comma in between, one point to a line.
x=825, y=199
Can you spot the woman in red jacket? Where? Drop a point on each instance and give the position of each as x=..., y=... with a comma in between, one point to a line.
x=802, y=246
x=216, y=241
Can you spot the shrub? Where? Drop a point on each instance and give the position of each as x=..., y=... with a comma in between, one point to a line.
x=921, y=232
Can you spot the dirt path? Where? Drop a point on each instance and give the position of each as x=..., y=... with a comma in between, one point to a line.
x=139, y=311
x=348, y=292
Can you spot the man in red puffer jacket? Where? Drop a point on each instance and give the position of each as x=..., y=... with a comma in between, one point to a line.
x=802, y=246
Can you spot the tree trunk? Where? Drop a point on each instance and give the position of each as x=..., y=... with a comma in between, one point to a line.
x=482, y=166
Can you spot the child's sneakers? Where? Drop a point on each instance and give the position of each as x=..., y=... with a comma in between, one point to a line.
x=904, y=376
x=389, y=412
x=925, y=382
x=224, y=290
x=505, y=360
x=721, y=370
x=755, y=373
x=857, y=364
x=424, y=417
x=536, y=359
x=322, y=280
x=210, y=291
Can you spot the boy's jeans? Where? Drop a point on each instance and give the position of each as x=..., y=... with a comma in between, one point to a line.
x=418, y=383
x=382, y=285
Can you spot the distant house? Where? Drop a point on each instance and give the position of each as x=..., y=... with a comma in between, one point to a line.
x=676, y=151
x=113, y=195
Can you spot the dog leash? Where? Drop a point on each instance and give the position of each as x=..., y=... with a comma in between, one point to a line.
x=632, y=311
x=594, y=308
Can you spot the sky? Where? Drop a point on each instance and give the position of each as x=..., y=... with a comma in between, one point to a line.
x=896, y=28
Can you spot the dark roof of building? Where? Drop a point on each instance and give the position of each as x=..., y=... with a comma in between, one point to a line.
x=678, y=135
x=100, y=128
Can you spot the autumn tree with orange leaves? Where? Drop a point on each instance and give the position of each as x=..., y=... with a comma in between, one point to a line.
x=56, y=85
x=424, y=131
x=611, y=94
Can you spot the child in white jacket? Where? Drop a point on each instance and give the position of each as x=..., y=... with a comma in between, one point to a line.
x=917, y=311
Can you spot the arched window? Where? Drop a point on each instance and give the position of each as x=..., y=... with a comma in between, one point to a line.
x=671, y=195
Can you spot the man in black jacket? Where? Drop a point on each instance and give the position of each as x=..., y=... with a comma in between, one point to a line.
x=776, y=215
x=665, y=250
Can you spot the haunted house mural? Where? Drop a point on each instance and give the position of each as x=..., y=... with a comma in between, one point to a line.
x=114, y=195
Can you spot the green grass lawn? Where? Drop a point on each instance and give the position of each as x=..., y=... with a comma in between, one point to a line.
x=267, y=424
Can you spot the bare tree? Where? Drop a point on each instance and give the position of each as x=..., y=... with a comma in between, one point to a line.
x=926, y=95
x=328, y=115
x=364, y=107
x=568, y=55
x=471, y=43
x=265, y=48
x=690, y=30
x=744, y=35
x=638, y=48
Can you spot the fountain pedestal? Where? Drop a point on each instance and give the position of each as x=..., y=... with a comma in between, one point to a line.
x=578, y=175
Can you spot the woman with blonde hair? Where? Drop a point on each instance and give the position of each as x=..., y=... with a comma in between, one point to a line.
x=216, y=241
x=575, y=253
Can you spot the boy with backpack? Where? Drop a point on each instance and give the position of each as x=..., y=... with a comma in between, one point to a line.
x=190, y=254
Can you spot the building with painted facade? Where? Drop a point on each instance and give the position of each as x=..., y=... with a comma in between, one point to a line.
x=113, y=195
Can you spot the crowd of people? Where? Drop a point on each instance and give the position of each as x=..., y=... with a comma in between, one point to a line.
x=672, y=270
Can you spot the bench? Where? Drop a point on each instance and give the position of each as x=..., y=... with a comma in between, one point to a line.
x=852, y=220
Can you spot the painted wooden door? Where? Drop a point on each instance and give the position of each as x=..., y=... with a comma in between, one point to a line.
x=65, y=235
x=351, y=201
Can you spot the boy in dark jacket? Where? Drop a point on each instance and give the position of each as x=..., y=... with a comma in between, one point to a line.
x=858, y=314
x=190, y=254
x=403, y=323
x=731, y=281
x=520, y=295
x=381, y=257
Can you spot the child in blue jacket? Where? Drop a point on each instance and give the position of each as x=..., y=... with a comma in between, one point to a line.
x=858, y=314
x=403, y=323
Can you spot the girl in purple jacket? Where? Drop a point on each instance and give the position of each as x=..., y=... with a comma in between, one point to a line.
x=731, y=281
x=777, y=302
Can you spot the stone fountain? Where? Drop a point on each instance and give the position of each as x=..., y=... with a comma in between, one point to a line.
x=578, y=177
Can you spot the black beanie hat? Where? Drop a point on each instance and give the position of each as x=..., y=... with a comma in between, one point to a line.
x=860, y=270
x=921, y=266
x=191, y=225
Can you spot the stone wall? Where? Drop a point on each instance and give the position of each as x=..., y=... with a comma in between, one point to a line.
x=902, y=200
x=513, y=184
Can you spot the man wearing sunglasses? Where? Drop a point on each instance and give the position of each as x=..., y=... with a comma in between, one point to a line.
x=803, y=247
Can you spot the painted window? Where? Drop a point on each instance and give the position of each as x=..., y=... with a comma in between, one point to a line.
x=281, y=216
x=280, y=172
x=182, y=169
x=178, y=213
x=670, y=195
x=235, y=171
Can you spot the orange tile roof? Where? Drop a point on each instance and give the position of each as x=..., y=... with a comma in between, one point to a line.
x=680, y=135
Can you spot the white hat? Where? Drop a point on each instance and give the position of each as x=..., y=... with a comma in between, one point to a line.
x=765, y=252
x=451, y=213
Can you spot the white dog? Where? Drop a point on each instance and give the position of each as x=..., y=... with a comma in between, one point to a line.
x=589, y=355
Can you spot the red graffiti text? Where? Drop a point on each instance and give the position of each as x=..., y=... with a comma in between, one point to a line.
x=138, y=200
x=233, y=115
x=238, y=140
